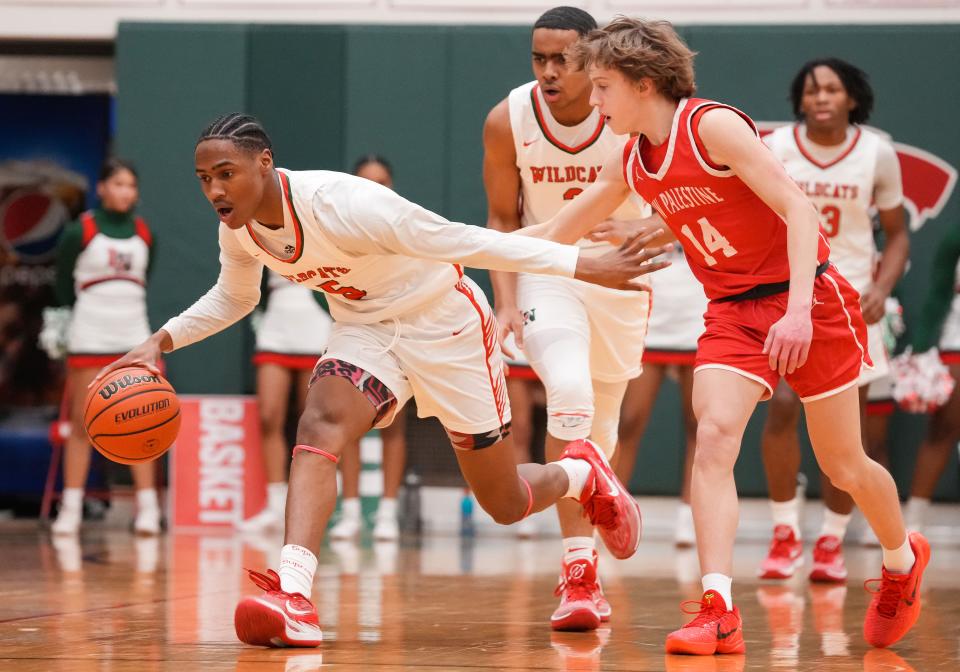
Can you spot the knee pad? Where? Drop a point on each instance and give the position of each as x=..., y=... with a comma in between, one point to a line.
x=569, y=408
x=561, y=359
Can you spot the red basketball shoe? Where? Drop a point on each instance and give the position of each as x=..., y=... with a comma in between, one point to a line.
x=276, y=618
x=784, y=556
x=714, y=630
x=611, y=509
x=603, y=607
x=896, y=603
x=828, y=564
x=578, y=609
x=599, y=599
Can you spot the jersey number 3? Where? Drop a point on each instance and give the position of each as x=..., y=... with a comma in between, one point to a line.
x=712, y=241
x=831, y=220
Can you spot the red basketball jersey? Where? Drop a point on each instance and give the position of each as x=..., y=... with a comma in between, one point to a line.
x=732, y=239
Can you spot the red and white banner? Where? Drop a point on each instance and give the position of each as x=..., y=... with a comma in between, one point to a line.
x=216, y=468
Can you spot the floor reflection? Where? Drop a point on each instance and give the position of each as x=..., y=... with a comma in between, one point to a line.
x=109, y=601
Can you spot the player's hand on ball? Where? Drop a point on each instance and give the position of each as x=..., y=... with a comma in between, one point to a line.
x=619, y=268
x=146, y=355
x=788, y=341
x=511, y=322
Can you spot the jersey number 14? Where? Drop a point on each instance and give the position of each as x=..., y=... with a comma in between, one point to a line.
x=712, y=241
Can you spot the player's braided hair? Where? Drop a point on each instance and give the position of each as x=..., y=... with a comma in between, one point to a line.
x=241, y=129
x=855, y=81
x=566, y=18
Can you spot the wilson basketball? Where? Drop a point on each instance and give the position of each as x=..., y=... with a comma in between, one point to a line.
x=132, y=415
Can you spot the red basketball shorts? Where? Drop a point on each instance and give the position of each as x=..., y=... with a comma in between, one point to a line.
x=736, y=331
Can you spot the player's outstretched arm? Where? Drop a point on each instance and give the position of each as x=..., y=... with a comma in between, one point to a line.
x=730, y=141
x=382, y=222
x=236, y=294
x=596, y=203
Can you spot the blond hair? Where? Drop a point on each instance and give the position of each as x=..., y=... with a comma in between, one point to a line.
x=639, y=49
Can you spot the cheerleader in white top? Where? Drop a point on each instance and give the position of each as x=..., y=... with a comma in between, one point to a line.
x=845, y=170
x=284, y=361
x=103, y=260
x=393, y=437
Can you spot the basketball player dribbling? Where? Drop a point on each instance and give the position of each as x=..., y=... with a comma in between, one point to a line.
x=845, y=170
x=777, y=308
x=543, y=145
x=408, y=323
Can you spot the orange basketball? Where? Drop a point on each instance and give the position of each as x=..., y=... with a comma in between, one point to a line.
x=132, y=415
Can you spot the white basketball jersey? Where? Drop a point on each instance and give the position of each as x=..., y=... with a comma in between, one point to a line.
x=110, y=313
x=842, y=189
x=558, y=162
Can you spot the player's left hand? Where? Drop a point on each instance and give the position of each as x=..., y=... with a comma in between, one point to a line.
x=788, y=341
x=615, y=231
x=872, y=305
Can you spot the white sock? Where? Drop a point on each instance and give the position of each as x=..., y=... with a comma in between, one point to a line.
x=575, y=548
x=147, y=500
x=387, y=508
x=787, y=513
x=297, y=567
x=350, y=508
x=899, y=560
x=834, y=524
x=916, y=512
x=72, y=499
x=277, y=496
x=721, y=584
x=577, y=471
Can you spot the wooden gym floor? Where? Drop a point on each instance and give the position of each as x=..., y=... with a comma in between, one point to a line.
x=112, y=602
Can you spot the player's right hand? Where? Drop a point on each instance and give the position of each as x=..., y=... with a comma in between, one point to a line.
x=618, y=268
x=510, y=321
x=146, y=355
x=788, y=341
